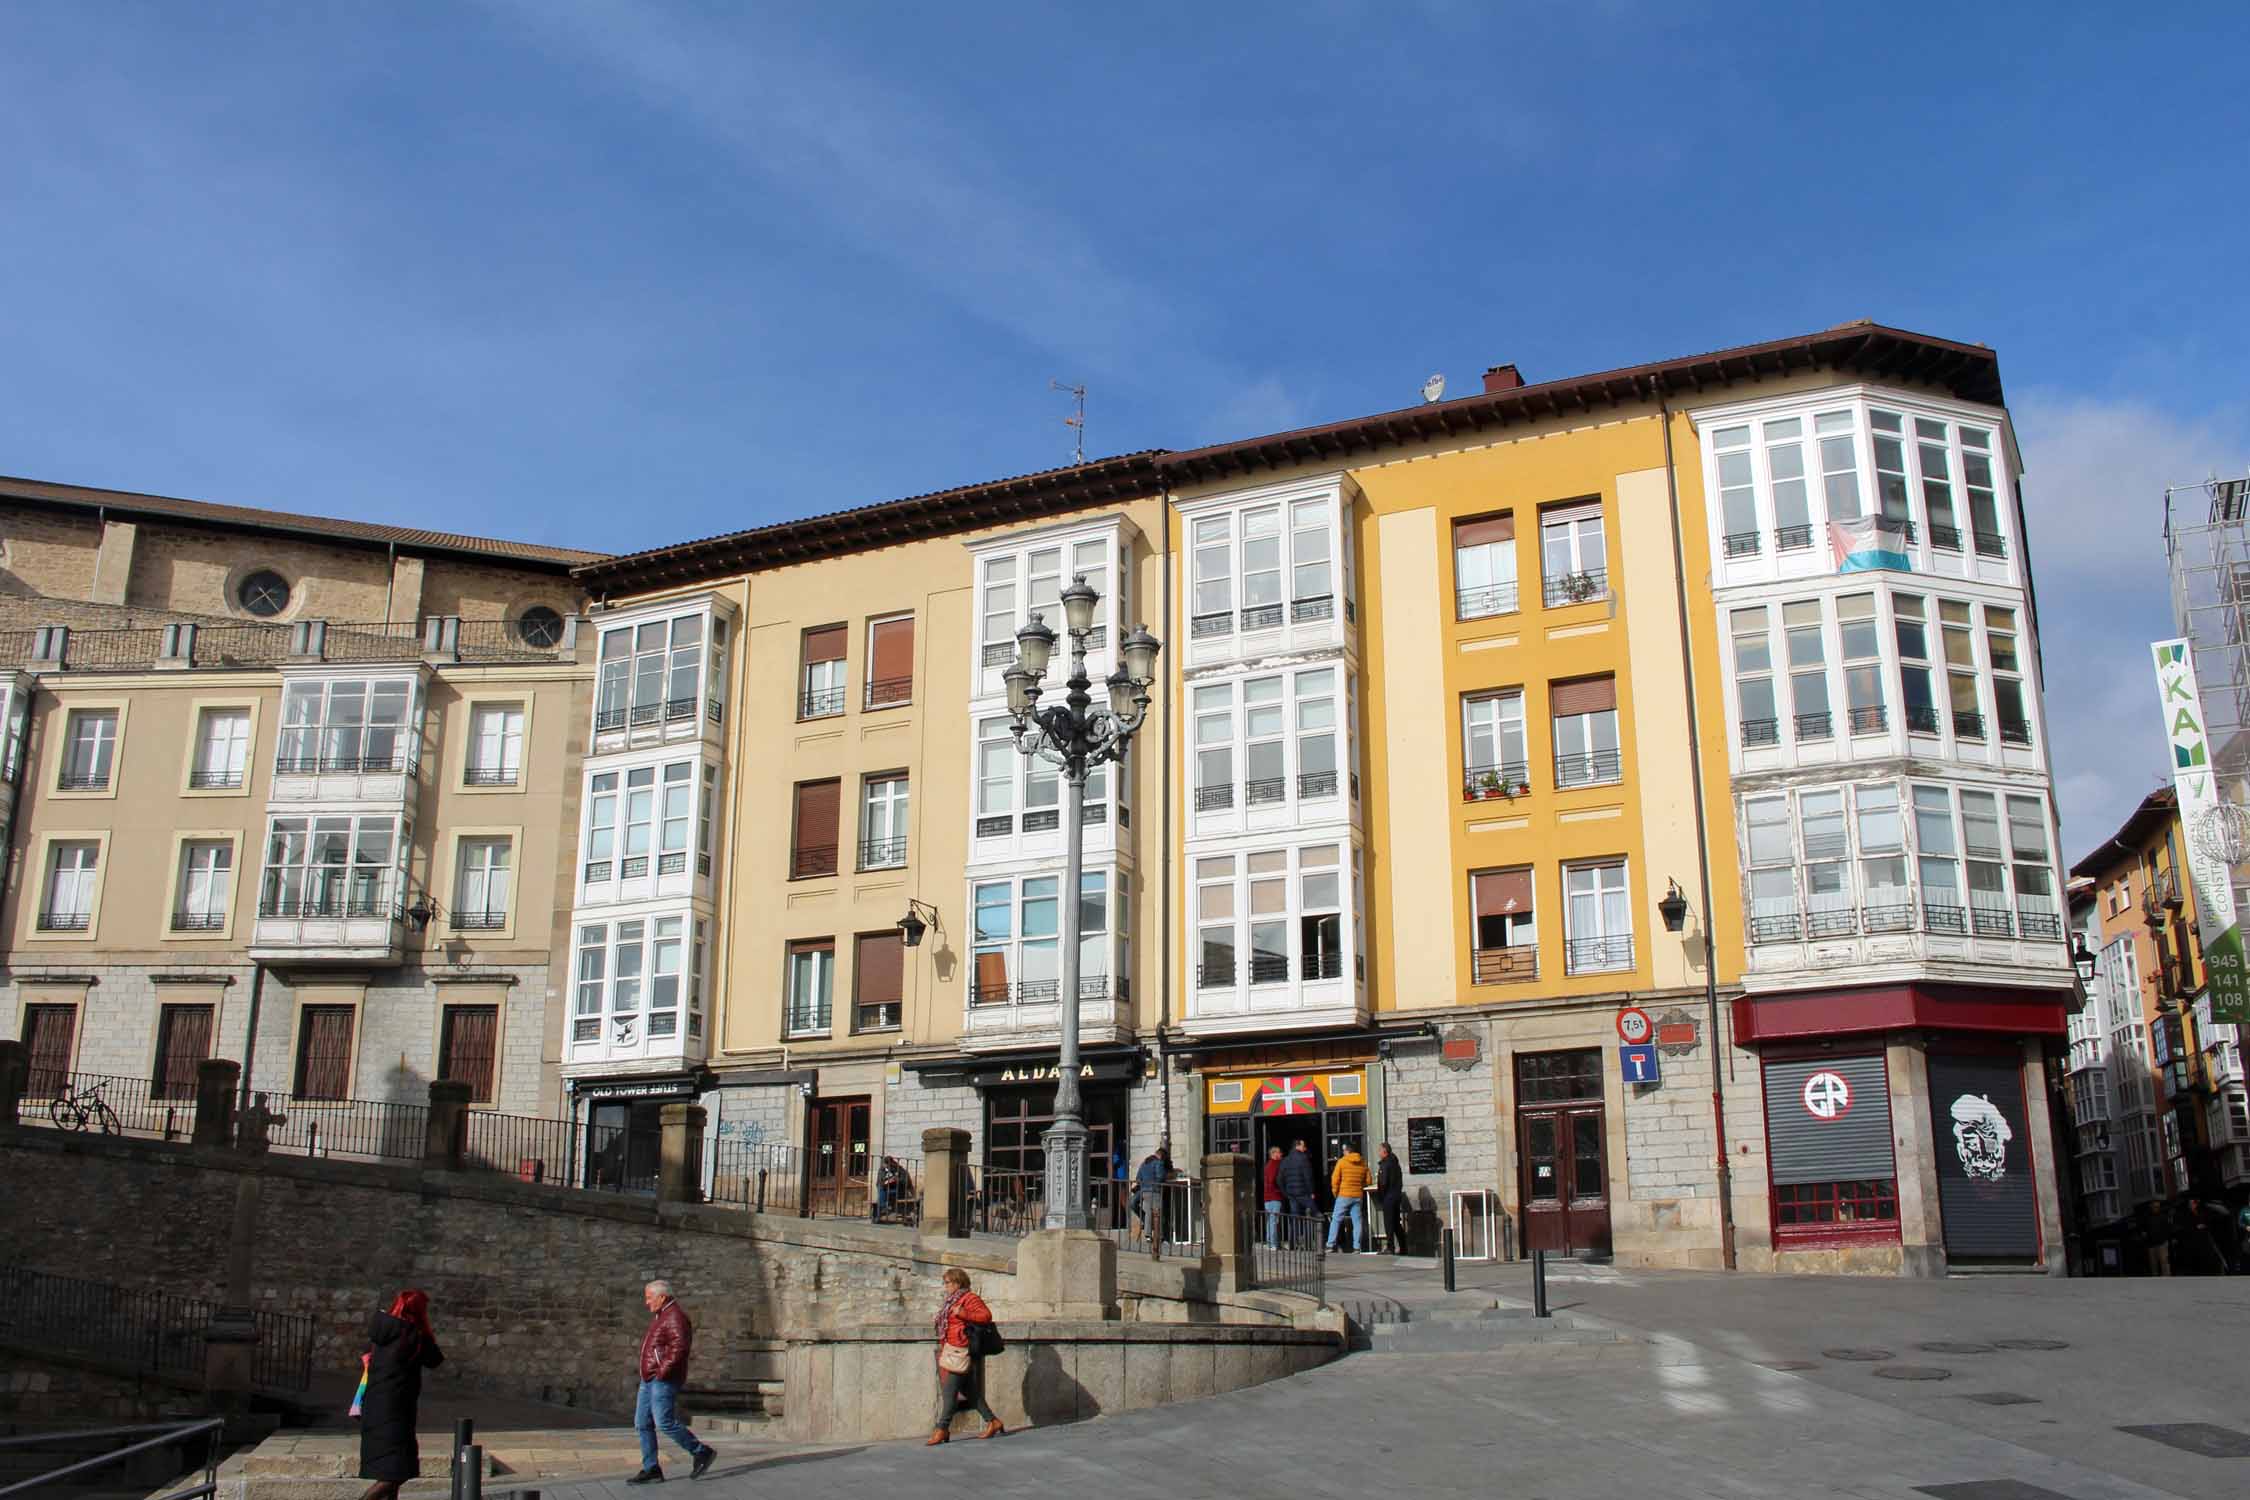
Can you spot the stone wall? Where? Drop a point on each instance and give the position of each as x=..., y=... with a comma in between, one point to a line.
x=36, y=1389
x=1415, y=1083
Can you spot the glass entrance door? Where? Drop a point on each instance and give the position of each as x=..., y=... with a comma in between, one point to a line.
x=1561, y=1144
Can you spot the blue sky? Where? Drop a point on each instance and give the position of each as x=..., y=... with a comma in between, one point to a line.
x=613, y=275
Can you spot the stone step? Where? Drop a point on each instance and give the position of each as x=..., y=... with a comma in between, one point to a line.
x=733, y=1397
x=1463, y=1340
x=763, y=1426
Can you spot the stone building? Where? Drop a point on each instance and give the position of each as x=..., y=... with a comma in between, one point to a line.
x=284, y=790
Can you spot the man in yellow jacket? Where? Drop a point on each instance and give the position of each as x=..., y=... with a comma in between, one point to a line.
x=1348, y=1180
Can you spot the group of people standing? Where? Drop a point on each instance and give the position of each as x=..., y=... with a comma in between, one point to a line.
x=1292, y=1184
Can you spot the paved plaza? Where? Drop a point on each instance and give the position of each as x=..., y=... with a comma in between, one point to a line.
x=1717, y=1386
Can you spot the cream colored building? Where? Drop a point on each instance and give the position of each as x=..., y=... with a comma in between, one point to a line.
x=283, y=790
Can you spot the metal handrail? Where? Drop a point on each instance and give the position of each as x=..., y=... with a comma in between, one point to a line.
x=167, y=1434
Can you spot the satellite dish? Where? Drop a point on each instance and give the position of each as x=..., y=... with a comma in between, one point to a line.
x=1433, y=389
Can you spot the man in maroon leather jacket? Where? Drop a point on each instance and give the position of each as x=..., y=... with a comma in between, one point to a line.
x=663, y=1370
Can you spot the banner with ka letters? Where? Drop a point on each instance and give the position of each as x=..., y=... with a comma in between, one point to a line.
x=2213, y=838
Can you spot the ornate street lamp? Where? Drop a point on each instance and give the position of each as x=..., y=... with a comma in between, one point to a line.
x=1074, y=736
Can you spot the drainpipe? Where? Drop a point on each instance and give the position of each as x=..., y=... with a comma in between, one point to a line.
x=250, y=1038
x=1164, y=846
x=1702, y=852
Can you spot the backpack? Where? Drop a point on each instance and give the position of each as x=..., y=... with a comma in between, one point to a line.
x=985, y=1340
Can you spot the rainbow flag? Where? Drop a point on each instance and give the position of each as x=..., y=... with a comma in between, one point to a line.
x=1867, y=543
x=360, y=1395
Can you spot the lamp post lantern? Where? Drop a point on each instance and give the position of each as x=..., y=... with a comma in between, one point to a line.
x=1074, y=736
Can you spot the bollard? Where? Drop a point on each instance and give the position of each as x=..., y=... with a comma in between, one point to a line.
x=1445, y=1255
x=472, y=1472
x=463, y=1431
x=761, y=1190
x=1539, y=1283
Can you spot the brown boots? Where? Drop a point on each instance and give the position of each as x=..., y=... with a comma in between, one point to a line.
x=992, y=1429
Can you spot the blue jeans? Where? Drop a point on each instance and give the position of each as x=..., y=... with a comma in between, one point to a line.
x=1359, y=1223
x=1273, y=1223
x=655, y=1410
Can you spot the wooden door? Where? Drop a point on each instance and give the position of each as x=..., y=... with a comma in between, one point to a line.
x=1563, y=1150
x=183, y=1041
x=47, y=1033
x=467, y=1048
x=839, y=1164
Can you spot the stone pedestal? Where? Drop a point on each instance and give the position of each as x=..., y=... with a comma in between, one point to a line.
x=679, y=1165
x=15, y=1069
x=216, y=1079
x=448, y=1124
x=945, y=1166
x=1230, y=1210
x=1065, y=1273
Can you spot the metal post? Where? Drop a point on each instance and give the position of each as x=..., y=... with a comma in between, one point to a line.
x=1445, y=1255
x=1539, y=1283
x=1065, y=1141
x=472, y=1472
x=761, y=1190
x=463, y=1431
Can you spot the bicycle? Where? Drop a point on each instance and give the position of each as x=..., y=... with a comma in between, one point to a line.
x=82, y=1109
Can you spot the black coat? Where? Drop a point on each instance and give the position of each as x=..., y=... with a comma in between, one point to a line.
x=1297, y=1177
x=1390, y=1184
x=387, y=1449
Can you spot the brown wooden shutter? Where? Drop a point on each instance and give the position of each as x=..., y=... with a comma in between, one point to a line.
x=1484, y=529
x=183, y=1039
x=890, y=651
x=1500, y=891
x=47, y=1033
x=879, y=969
x=324, y=1052
x=469, y=1047
x=814, y=849
x=1588, y=695
x=992, y=978
x=824, y=644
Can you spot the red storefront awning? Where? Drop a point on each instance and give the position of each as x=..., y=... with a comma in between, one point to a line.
x=1801, y=1015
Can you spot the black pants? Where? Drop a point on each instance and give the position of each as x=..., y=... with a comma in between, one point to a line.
x=1394, y=1223
x=953, y=1386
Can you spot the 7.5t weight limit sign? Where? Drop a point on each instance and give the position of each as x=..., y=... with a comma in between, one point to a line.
x=1634, y=1026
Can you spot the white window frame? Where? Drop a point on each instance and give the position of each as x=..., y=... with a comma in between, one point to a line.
x=336, y=724
x=809, y=991
x=495, y=751
x=70, y=885
x=222, y=749
x=885, y=800
x=1495, y=749
x=1597, y=917
x=483, y=868
x=206, y=876
x=297, y=881
x=1573, y=535
x=90, y=745
x=639, y=667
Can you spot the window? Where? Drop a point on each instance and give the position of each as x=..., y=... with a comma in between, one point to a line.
x=89, y=750
x=540, y=628
x=993, y=935
x=48, y=1032
x=812, y=848
x=1598, y=922
x=1937, y=484
x=324, y=1053
x=495, y=745
x=705, y=820
x=601, y=828
x=1265, y=744
x=350, y=725
x=1214, y=578
x=331, y=866
x=1507, y=934
x=480, y=886
x=1495, y=759
x=1989, y=906
x=1572, y=560
x=882, y=823
x=1910, y=624
x=1320, y=913
x=1316, y=733
x=1738, y=490
x=206, y=870
x=634, y=974
x=1215, y=914
x=1938, y=860
x=1312, y=581
x=1839, y=464
x=1976, y=476
x=1484, y=567
x=263, y=593
x=1961, y=669
x=71, y=868
x=591, y=983
x=1261, y=568
x=2037, y=915
x=812, y=977
x=650, y=673
x=1775, y=916
x=1785, y=472
x=1887, y=899
x=1862, y=653
x=667, y=963
x=2007, y=681
x=1826, y=849
x=998, y=766
x=1269, y=915
x=183, y=1040
x=1893, y=499
x=698, y=970
x=1585, y=715
x=678, y=801
x=222, y=749
x=878, y=981
x=1214, y=746
x=1808, y=670
x=890, y=661
x=1753, y=676
x=821, y=691
x=468, y=1048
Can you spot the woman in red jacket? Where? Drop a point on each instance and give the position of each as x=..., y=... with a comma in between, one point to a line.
x=960, y=1367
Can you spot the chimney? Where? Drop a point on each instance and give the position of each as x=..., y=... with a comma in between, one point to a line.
x=1502, y=378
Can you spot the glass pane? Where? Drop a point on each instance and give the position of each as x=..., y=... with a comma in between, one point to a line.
x=1586, y=1156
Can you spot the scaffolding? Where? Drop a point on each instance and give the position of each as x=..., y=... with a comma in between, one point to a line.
x=2207, y=553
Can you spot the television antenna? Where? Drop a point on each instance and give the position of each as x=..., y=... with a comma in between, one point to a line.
x=1076, y=421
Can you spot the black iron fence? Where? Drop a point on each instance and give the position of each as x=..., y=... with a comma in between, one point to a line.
x=159, y=1332
x=376, y=1129
x=109, y=1104
x=1286, y=1255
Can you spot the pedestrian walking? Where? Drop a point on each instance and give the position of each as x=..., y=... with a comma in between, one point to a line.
x=1390, y=1193
x=1148, y=1197
x=1299, y=1181
x=664, y=1364
x=1272, y=1197
x=1349, y=1183
x=964, y=1334
x=400, y=1348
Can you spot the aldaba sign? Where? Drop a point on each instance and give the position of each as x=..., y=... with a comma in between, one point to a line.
x=1028, y=1074
x=2215, y=832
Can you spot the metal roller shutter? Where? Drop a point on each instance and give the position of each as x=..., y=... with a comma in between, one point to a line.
x=1985, y=1192
x=1825, y=1131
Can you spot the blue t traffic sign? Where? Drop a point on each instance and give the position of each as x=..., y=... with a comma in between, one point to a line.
x=1637, y=1060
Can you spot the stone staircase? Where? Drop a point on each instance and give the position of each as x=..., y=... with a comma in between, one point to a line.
x=1462, y=1325
x=741, y=1396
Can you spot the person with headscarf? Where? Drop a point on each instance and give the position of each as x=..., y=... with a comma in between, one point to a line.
x=400, y=1348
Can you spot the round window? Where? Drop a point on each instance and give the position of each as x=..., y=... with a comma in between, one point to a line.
x=264, y=593
x=540, y=626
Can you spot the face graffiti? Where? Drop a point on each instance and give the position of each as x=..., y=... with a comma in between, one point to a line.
x=1981, y=1136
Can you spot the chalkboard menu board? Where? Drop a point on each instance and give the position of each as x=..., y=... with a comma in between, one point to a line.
x=1425, y=1144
